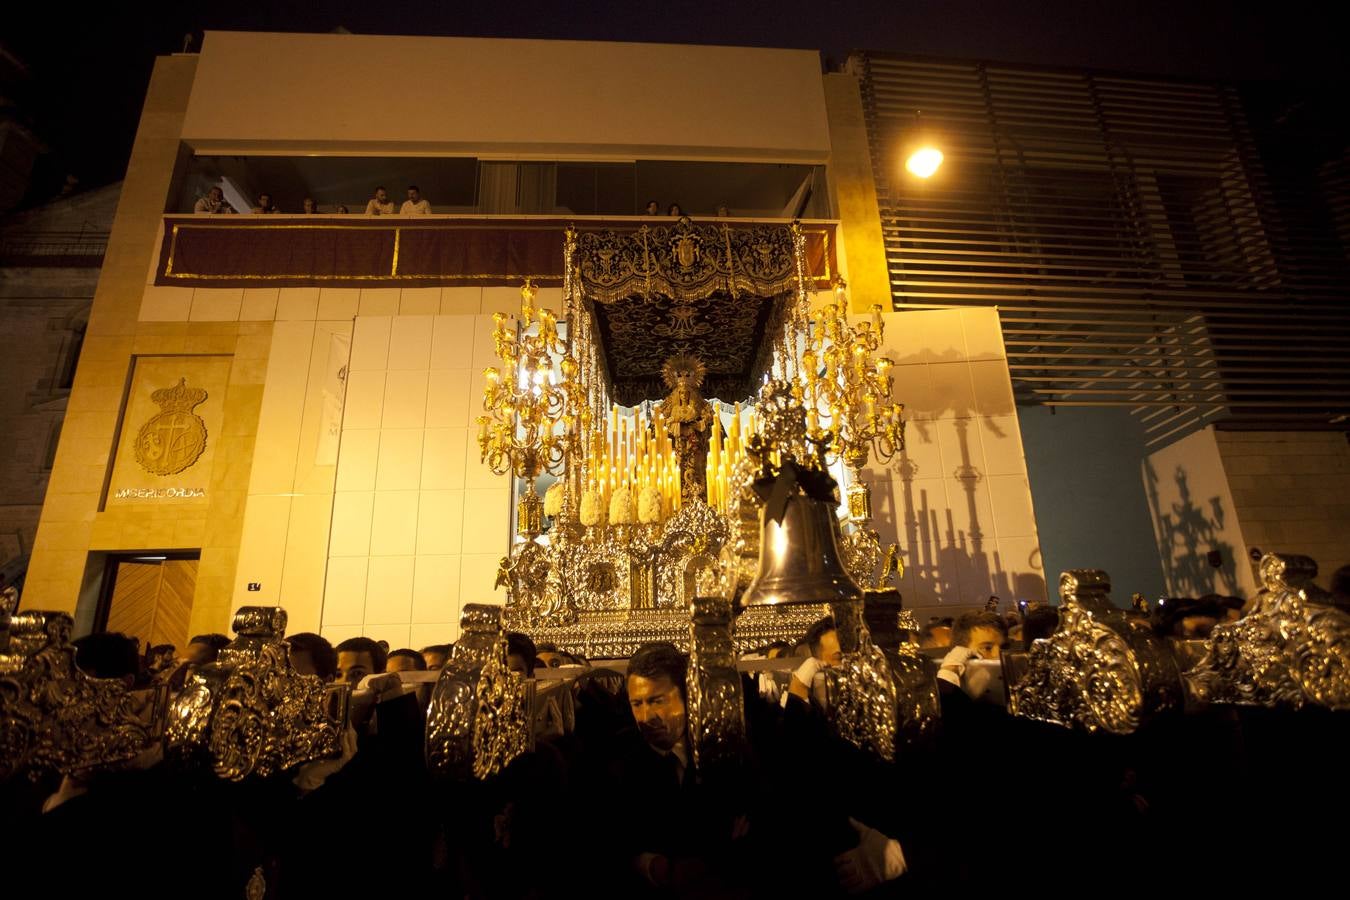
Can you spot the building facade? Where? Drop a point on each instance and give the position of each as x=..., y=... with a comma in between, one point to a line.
x=338, y=475
x=1171, y=283
x=287, y=434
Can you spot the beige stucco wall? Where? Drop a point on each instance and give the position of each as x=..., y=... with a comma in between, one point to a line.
x=73, y=526
x=862, y=247
x=957, y=499
x=1291, y=491
x=334, y=93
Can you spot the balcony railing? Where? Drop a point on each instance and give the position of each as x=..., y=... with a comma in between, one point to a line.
x=484, y=251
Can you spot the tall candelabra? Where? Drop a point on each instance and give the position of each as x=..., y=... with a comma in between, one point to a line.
x=847, y=391
x=529, y=410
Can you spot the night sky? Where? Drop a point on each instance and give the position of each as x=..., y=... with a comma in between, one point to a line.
x=89, y=72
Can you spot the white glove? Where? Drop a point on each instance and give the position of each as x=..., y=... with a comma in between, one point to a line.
x=384, y=685
x=312, y=775
x=806, y=672
x=954, y=664
x=876, y=859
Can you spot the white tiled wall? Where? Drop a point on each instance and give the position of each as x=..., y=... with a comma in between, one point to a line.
x=419, y=524
x=167, y=303
x=284, y=546
x=408, y=525
x=957, y=500
x=1193, y=514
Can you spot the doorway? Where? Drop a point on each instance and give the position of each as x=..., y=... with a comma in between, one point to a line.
x=148, y=596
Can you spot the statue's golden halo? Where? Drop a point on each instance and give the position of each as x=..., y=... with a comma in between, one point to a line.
x=683, y=364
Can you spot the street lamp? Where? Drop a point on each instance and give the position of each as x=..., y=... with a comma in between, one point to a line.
x=924, y=161
x=924, y=156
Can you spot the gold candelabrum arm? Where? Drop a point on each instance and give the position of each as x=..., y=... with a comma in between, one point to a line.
x=530, y=412
x=848, y=392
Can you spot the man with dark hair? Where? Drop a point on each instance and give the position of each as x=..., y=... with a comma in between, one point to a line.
x=653, y=208
x=108, y=654
x=204, y=648
x=935, y=635
x=656, y=683
x=358, y=657
x=822, y=639
x=661, y=844
x=975, y=636
x=1187, y=617
x=520, y=653
x=160, y=660
x=982, y=632
x=549, y=656
x=201, y=650
x=405, y=660
x=380, y=204
x=1040, y=622
x=435, y=656
x=416, y=204
x=311, y=654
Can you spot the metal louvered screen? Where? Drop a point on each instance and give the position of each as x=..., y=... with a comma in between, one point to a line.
x=1124, y=228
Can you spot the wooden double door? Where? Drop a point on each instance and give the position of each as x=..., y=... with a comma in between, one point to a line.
x=149, y=597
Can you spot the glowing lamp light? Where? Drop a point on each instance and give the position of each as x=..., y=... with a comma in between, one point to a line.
x=924, y=161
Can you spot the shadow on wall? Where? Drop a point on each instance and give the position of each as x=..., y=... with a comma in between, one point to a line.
x=948, y=548
x=1196, y=560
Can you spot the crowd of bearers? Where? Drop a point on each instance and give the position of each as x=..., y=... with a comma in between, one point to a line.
x=619, y=807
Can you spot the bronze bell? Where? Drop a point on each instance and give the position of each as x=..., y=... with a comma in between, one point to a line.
x=799, y=558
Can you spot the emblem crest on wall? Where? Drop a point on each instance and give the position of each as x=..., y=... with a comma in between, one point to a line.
x=175, y=437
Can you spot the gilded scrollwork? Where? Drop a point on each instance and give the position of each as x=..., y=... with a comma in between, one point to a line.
x=1101, y=669
x=525, y=573
x=479, y=718
x=1291, y=648
x=716, y=706
x=863, y=693
x=268, y=717
x=250, y=713
x=690, y=541
x=54, y=717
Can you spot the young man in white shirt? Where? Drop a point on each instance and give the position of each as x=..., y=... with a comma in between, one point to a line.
x=380, y=204
x=213, y=203
x=415, y=205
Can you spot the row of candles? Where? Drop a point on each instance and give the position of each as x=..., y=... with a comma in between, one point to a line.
x=637, y=455
x=634, y=455
x=725, y=455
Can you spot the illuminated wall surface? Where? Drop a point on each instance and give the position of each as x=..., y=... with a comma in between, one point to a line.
x=339, y=476
x=957, y=500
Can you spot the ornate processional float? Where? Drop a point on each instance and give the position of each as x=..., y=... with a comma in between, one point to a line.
x=682, y=369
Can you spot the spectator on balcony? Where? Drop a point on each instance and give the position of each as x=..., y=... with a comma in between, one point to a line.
x=310, y=207
x=380, y=204
x=674, y=210
x=342, y=210
x=653, y=208
x=416, y=204
x=213, y=203
x=265, y=206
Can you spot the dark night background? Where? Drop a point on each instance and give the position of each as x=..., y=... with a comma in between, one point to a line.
x=88, y=70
